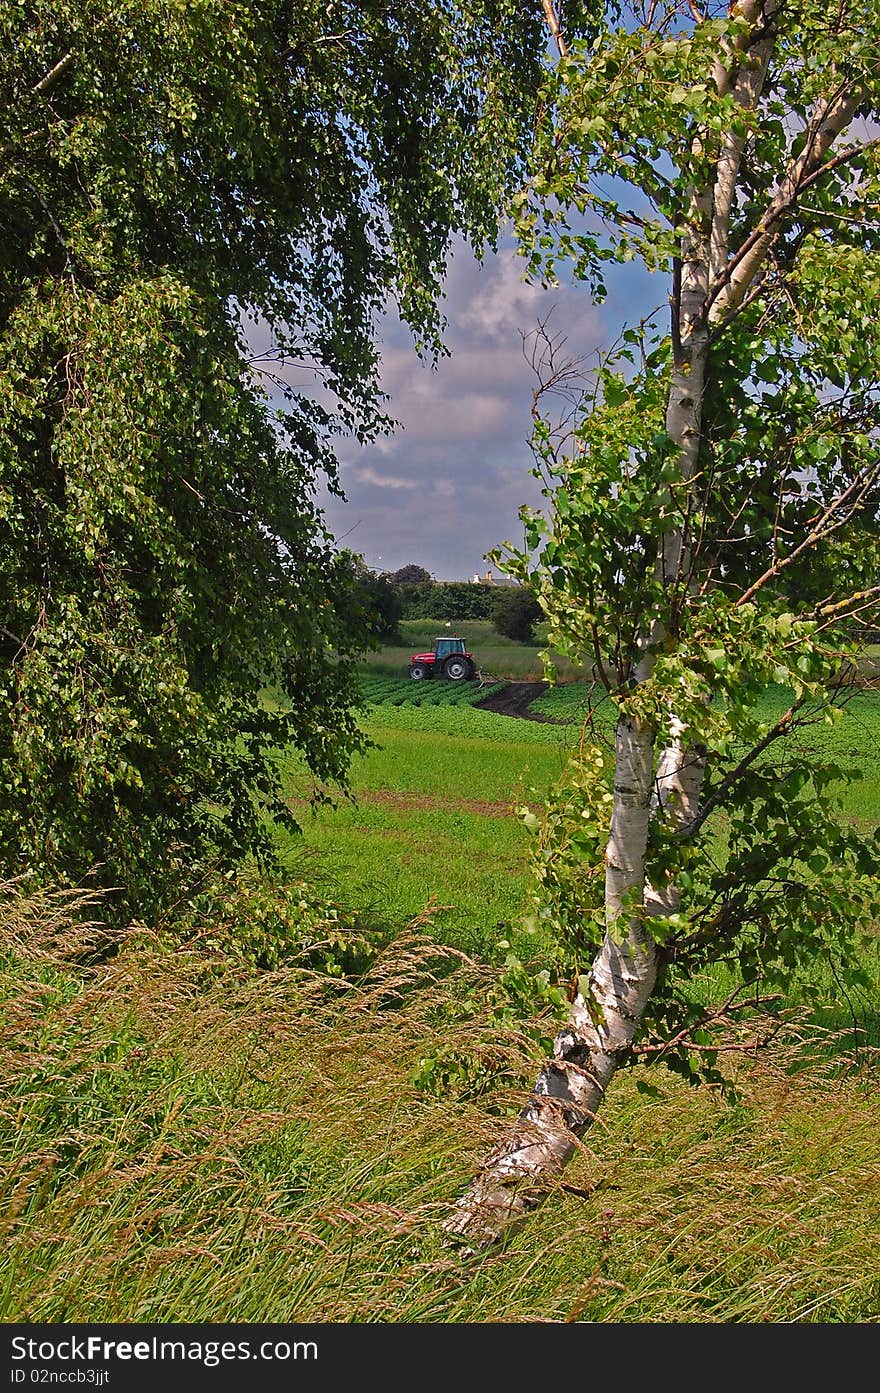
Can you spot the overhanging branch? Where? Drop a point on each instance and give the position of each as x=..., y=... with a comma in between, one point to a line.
x=553, y=25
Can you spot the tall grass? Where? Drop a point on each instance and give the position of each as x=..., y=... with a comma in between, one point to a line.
x=183, y=1142
x=183, y=1139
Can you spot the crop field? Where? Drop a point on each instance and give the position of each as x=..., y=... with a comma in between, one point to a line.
x=432, y=820
x=494, y=655
x=469, y=722
x=403, y=691
x=853, y=742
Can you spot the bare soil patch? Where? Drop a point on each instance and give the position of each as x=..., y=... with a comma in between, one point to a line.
x=421, y=802
x=515, y=700
x=426, y=802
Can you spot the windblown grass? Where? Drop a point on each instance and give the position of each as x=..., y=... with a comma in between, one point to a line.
x=181, y=1142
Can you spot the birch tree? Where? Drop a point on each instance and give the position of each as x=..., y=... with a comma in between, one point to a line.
x=711, y=532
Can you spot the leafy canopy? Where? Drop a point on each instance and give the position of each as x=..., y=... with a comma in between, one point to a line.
x=179, y=182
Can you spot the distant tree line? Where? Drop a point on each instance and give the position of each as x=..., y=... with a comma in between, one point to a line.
x=447, y=599
x=411, y=593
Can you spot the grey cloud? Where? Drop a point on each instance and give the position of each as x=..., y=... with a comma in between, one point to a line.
x=447, y=486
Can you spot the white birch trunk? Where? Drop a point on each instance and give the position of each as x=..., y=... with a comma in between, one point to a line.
x=518, y=1173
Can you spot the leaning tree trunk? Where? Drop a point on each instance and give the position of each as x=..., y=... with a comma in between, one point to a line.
x=524, y=1166
x=519, y=1173
x=522, y=1169
x=599, y=1034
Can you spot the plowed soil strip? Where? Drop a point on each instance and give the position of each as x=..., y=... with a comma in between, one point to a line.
x=426, y=802
x=515, y=699
x=420, y=802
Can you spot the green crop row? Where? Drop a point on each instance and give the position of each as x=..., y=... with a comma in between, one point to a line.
x=470, y=722
x=404, y=692
x=856, y=735
x=572, y=701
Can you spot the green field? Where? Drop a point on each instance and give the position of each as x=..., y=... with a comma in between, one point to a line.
x=853, y=743
x=433, y=819
x=505, y=658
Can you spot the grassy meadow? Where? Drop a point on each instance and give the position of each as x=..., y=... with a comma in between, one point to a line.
x=432, y=822
x=186, y=1140
x=433, y=818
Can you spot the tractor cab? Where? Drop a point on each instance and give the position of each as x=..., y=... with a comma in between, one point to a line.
x=444, y=646
x=449, y=658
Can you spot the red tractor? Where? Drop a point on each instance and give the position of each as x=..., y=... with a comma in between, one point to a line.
x=450, y=658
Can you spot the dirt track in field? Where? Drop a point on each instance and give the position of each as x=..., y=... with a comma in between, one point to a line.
x=514, y=700
x=426, y=802
x=400, y=801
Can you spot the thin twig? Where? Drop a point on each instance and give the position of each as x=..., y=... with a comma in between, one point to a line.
x=779, y=728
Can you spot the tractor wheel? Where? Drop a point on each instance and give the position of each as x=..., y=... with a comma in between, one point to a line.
x=458, y=668
x=418, y=671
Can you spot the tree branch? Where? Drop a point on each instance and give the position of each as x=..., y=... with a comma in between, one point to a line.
x=718, y=1017
x=554, y=26
x=842, y=609
x=692, y=828
x=53, y=75
x=746, y=82
x=843, y=158
x=731, y=285
x=819, y=529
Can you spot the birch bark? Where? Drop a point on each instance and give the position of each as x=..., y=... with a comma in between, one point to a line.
x=518, y=1174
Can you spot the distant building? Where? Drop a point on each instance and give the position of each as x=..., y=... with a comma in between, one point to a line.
x=489, y=579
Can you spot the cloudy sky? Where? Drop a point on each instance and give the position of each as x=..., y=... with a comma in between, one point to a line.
x=447, y=486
